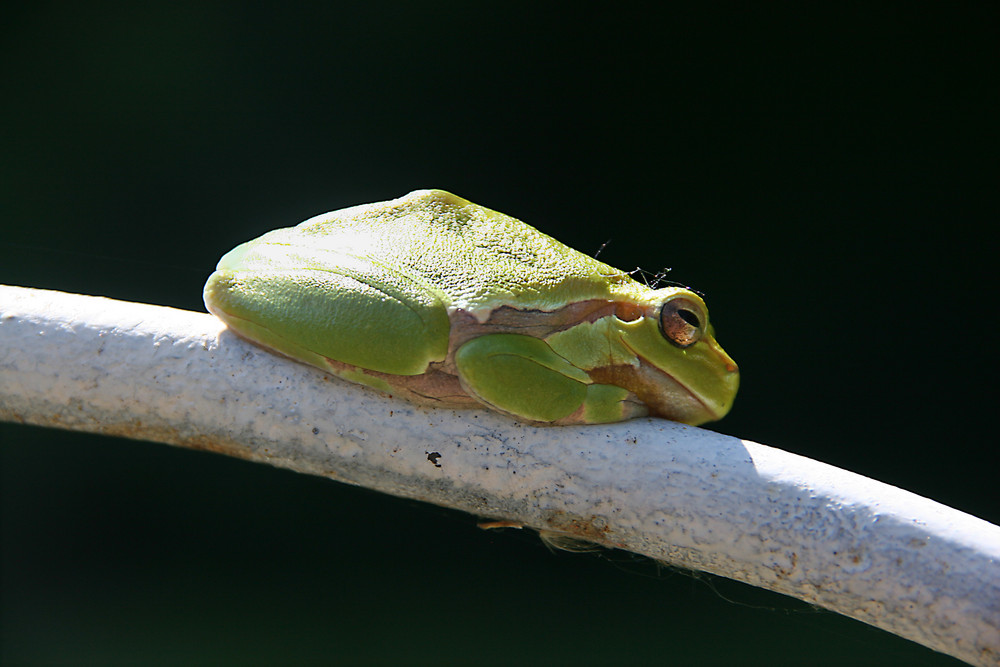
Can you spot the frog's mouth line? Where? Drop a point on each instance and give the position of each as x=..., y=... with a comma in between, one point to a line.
x=713, y=414
x=660, y=391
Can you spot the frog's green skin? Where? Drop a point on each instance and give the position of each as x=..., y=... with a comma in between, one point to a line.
x=444, y=302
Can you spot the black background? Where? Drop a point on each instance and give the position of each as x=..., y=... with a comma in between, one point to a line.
x=827, y=179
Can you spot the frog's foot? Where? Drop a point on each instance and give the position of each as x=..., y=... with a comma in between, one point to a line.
x=605, y=403
x=522, y=376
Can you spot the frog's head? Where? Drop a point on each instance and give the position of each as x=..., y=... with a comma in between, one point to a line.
x=683, y=373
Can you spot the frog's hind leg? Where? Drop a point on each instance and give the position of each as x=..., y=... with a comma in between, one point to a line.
x=522, y=376
x=335, y=306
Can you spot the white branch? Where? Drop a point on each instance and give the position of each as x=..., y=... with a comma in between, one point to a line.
x=686, y=496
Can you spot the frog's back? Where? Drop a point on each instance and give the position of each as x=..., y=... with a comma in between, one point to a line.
x=477, y=257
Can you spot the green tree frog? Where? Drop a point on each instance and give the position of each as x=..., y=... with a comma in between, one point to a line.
x=438, y=300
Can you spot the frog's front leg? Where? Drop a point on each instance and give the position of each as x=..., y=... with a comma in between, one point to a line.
x=522, y=376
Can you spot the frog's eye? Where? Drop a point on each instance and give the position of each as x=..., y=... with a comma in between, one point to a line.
x=682, y=321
